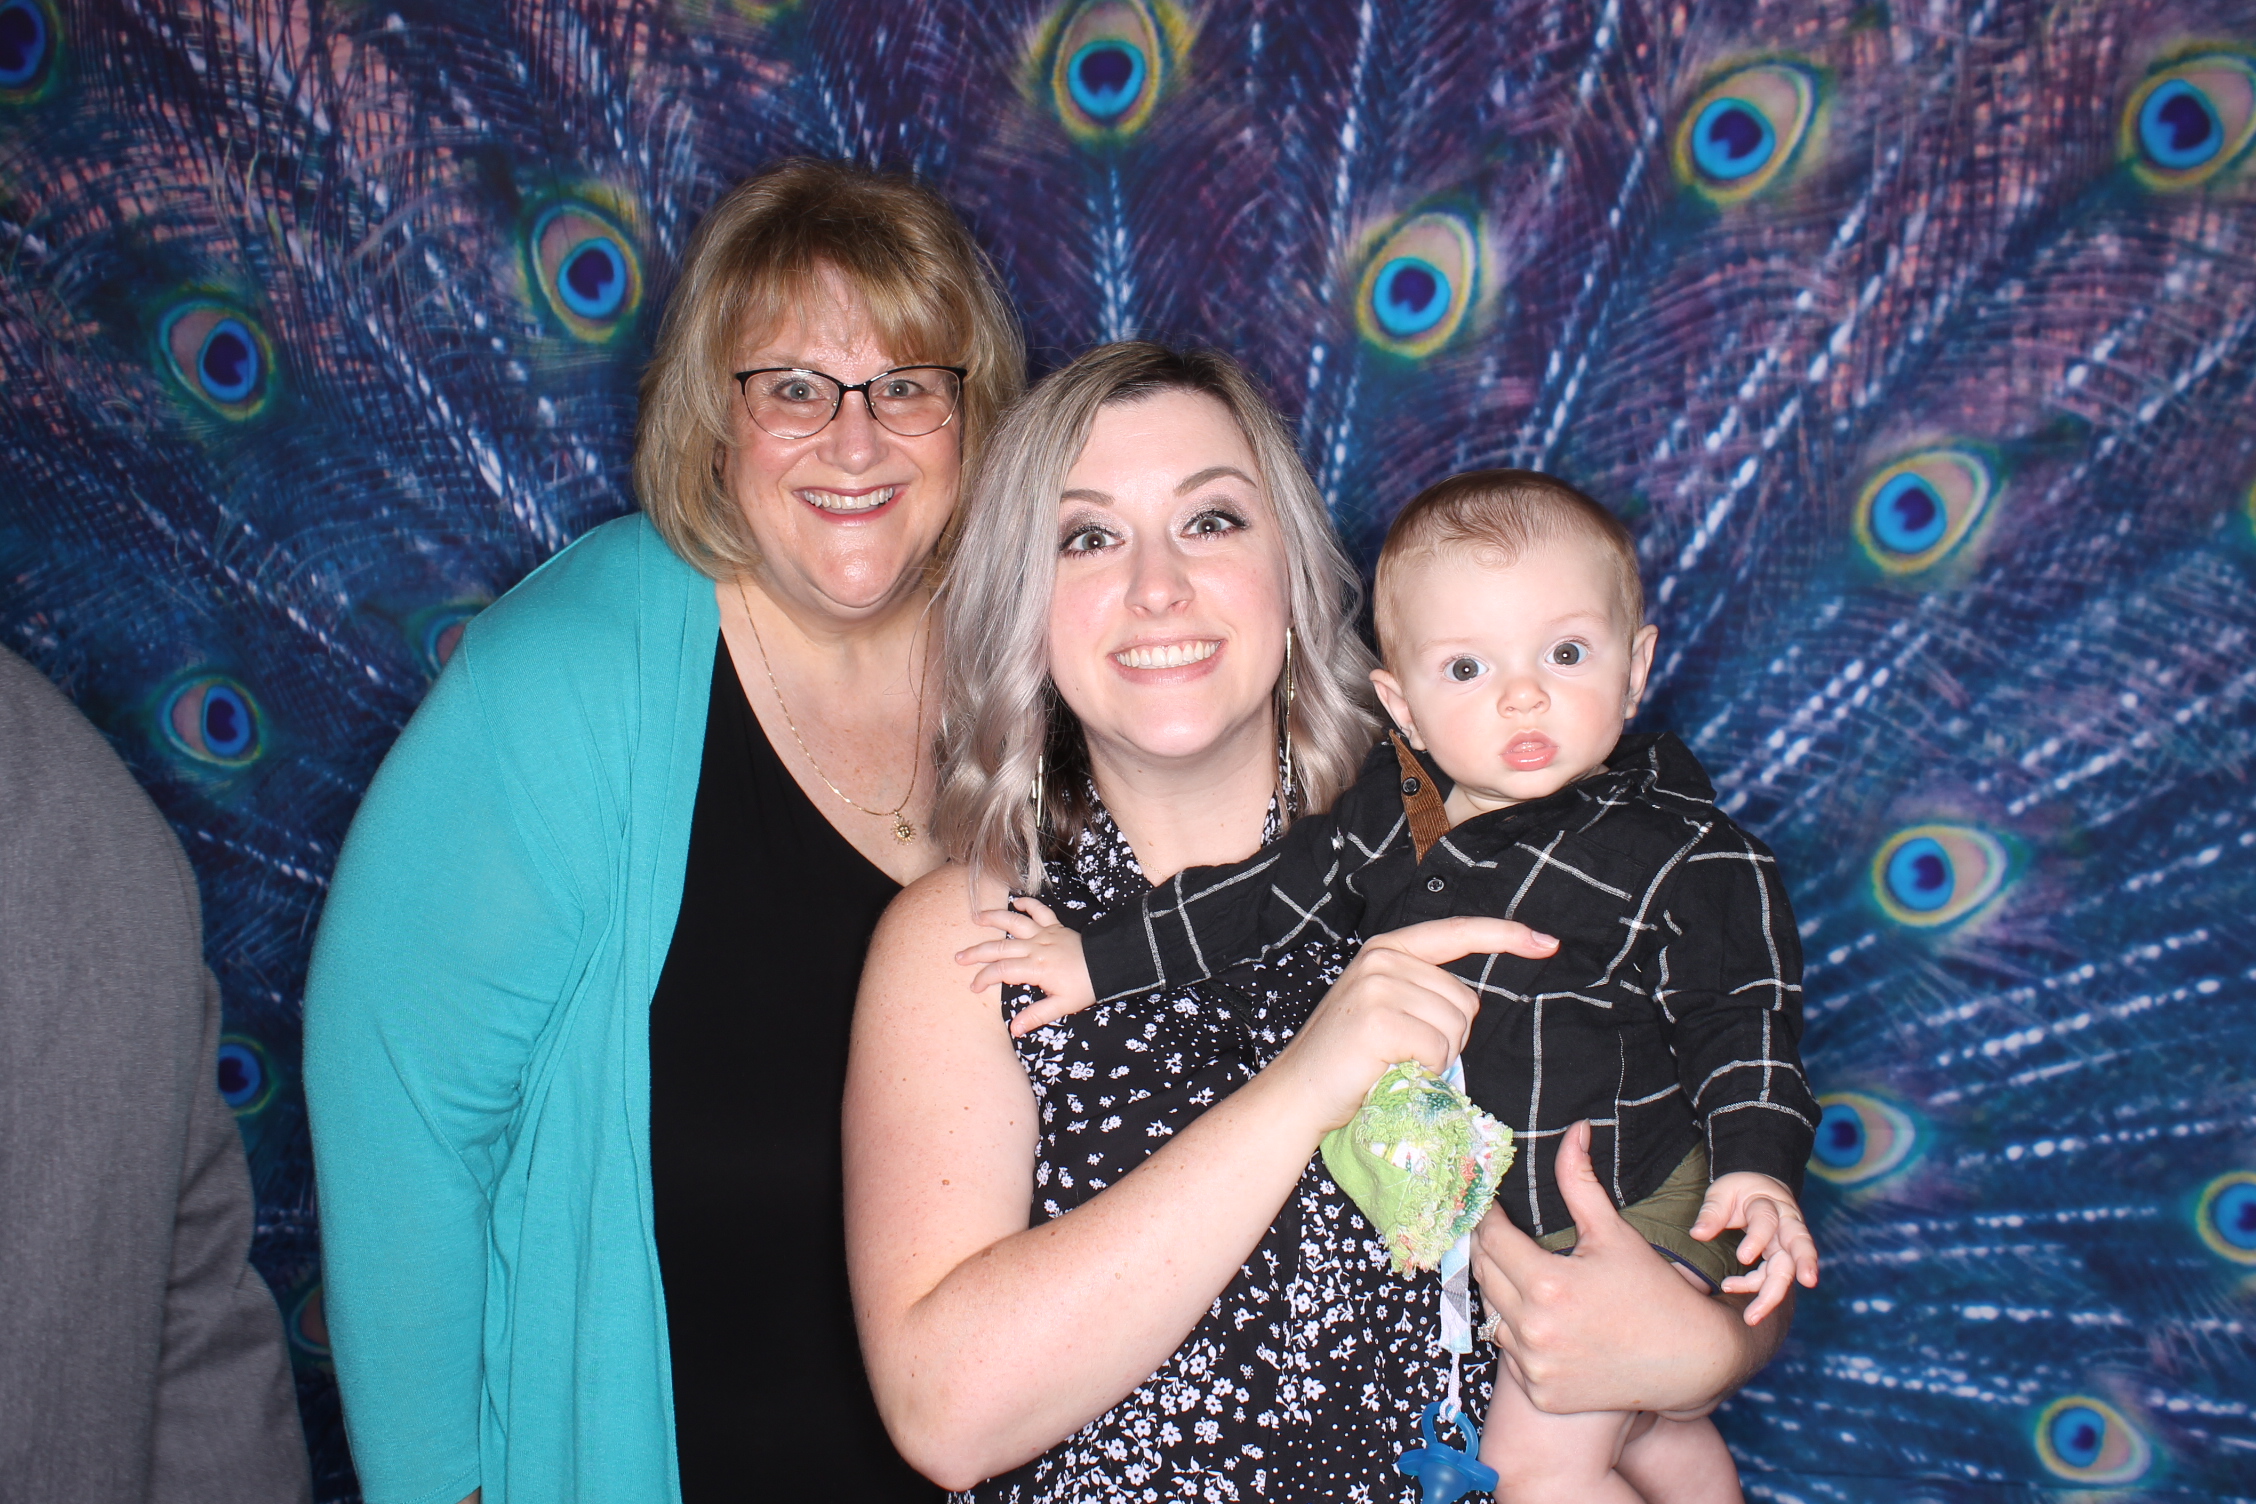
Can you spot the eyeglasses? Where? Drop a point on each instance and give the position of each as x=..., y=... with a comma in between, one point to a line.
x=792, y=402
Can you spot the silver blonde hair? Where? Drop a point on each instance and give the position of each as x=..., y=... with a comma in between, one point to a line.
x=1003, y=718
x=758, y=253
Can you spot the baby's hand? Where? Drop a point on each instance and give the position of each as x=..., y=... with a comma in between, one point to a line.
x=1776, y=1237
x=1040, y=952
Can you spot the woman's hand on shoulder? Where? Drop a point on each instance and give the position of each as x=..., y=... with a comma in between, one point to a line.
x=1393, y=1003
x=1611, y=1326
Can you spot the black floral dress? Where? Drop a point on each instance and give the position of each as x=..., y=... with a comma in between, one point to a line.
x=1307, y=1376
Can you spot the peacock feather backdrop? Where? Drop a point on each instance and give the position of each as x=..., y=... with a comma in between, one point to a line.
x=1916, y=341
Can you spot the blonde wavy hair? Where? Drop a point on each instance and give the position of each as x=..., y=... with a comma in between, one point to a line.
x=1003, y=717
x=931, y=293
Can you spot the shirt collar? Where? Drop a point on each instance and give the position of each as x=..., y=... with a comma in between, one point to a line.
x=1653, y=762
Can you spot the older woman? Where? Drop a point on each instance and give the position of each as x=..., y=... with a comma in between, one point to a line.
x=1152, y=667
x=576, y=1029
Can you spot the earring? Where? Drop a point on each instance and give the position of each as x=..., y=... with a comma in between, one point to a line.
x=1034, y=795
x=1288, y=782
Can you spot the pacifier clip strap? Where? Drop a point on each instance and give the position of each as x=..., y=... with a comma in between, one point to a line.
x=1457, y=1287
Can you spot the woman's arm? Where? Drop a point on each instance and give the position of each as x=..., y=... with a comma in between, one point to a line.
x=443, y=947
x=1612, y=1327
x=988, y=1341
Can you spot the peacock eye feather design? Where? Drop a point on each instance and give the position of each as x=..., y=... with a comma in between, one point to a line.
x=1934, y=875
x=31, y=48
x=1862, y=1139
x=1916, y=511
x=246, y=1078
x=1106, y=64
x=212, y=719
x=2225, y=1216
x=1742, y=132
x=1419, y=284
x=308, y=1327
x=588, y=271
x=2087, y=1440
x=436, y=632
x=2191, y=120
x=220, y=356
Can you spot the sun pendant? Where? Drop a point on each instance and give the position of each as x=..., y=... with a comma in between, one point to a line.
x=903, y=831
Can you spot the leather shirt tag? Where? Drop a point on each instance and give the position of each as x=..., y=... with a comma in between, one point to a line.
x=1421, y=801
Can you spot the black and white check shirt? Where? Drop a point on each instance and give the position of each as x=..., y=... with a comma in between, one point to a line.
x=1673, y=1005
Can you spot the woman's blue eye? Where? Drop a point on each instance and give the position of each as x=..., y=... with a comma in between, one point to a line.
x=1086, y=540
x=1568, y=654
x=1462, y=669
x=1206, y=524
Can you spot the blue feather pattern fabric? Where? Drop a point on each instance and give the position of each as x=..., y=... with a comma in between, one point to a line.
x=1916, y=342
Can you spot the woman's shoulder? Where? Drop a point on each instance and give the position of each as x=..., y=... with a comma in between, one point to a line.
x=933, y=916
x=589, y=618
x=591, y=599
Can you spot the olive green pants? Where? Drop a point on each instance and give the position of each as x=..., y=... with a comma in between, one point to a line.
x=1664, y=1219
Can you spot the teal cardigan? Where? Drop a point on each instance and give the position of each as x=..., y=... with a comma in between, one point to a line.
x=477, y=1044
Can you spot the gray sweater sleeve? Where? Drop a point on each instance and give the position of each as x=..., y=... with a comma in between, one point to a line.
x=145, y=1357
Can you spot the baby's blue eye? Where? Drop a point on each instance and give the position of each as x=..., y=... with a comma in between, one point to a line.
x=1568, y=654
x=1462, y=669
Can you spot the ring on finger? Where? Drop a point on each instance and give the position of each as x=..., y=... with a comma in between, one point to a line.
x=1486, y=1331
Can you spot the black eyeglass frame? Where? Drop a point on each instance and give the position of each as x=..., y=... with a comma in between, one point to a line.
x=961, y=373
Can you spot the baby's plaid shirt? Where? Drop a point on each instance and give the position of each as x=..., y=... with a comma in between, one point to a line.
x=1672, y=1008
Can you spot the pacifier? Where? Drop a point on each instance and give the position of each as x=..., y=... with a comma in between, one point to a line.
x=1444, y=1473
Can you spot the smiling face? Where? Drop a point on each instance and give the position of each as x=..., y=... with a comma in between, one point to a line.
x=845, y=519
x=1167, y=622
x=1517, y=677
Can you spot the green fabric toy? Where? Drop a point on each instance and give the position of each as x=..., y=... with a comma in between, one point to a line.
x=1421, y=1161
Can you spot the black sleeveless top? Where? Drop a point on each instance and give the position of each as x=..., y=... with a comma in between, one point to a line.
x=748, y=1035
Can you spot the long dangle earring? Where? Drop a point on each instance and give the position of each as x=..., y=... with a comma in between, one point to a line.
x=1287, y=780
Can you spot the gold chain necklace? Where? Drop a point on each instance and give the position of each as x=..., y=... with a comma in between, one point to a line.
x=903, y=830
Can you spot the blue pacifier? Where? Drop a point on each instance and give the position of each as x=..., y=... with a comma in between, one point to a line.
x=1444, y=1473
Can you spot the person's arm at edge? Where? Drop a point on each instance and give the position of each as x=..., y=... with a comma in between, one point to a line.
x=226, y=1414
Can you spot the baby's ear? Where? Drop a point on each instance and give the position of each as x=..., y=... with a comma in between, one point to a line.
x=1640, y=664
x=1390, y=695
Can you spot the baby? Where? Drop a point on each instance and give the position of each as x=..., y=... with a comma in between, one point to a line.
x=1511, y=620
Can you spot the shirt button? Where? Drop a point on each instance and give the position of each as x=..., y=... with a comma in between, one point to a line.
x=1411, y=785
x=1435, y=885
